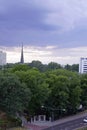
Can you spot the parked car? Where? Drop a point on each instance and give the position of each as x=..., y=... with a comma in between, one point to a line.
x=85, y=120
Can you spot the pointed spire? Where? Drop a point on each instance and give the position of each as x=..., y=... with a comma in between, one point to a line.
x=22, y=55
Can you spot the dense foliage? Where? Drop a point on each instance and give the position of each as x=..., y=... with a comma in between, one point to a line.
x=14, y=95
x=26, y=87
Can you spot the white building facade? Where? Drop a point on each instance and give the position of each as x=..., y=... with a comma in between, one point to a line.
x=83, y=65
x=2, y=58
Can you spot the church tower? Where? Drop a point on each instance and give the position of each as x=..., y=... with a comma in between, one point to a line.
x=22, y=56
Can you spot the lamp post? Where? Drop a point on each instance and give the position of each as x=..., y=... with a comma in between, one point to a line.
x=52, y=111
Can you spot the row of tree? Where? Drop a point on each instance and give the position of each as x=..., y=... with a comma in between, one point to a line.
x=26, y=88
x=50, y=66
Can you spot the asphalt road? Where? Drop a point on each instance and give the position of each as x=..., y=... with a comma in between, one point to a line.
x=69, y=125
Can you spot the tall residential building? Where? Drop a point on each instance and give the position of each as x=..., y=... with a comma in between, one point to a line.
x=83, y=65
x=22, y=55
x=2, y=58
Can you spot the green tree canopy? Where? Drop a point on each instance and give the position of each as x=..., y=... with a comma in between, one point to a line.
x=14, y=96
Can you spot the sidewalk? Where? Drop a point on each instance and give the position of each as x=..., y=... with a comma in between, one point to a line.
x=35, y=127
x=42, y=125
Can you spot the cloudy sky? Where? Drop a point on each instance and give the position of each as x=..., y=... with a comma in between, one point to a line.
x=50, y=30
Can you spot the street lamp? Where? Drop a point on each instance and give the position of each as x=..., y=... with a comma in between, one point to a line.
x=52, y=111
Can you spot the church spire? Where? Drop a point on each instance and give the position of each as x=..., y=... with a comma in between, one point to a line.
x=22, y=56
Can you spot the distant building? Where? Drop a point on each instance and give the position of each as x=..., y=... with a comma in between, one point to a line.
x=2, y=58
x=83, y=65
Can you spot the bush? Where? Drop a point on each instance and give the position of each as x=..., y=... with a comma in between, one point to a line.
x=9, y=122
x=12, y=122
x=3, y=124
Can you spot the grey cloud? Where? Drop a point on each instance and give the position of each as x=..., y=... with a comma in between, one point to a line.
x=24, y=17
x=37, y=22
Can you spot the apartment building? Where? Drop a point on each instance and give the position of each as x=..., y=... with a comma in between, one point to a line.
x=83, y=65
x=2, y=58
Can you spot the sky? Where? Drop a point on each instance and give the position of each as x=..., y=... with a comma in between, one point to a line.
x=50, y=30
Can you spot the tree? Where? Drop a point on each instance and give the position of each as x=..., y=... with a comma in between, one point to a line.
x=14, y=96
x=36, y=82
x=20, y=67
x=37, y=64
x=59, y=93
x=74, y=67
x=84, y=90
x=65, y=89
x=74, y=93
x=53, y=65
x=68, y=67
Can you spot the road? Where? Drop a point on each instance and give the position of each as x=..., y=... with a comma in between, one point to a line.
x=69, y=125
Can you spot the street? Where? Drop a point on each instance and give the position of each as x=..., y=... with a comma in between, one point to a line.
x=69, y=125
